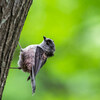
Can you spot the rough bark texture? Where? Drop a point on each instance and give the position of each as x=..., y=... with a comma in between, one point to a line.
x=12, y=16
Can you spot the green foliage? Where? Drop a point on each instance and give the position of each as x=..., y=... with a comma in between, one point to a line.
x=74, y=72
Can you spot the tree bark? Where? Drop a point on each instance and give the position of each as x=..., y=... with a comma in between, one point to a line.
x=12, y=16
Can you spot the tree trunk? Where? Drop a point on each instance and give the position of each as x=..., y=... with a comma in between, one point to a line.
x=12, y=16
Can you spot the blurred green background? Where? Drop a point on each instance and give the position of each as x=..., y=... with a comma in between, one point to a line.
x=74, y=72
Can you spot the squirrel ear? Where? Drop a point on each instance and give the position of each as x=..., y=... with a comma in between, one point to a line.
x=44, y=37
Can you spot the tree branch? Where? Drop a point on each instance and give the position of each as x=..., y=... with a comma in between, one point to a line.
x=12, y=16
